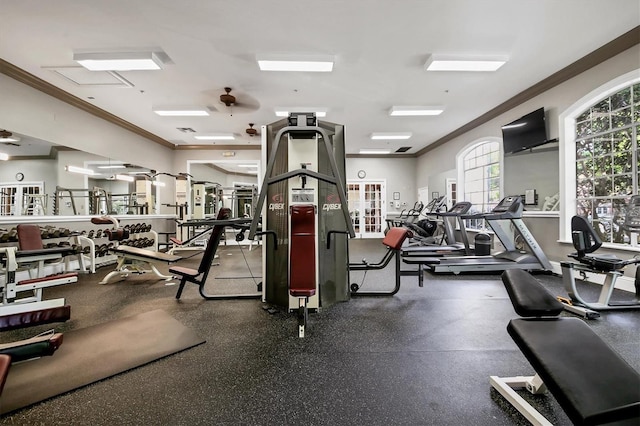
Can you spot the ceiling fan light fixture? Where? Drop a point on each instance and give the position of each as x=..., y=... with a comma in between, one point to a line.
x=387, y=136
x=296, y=63
x=437, y=62
x=406, y=111
x=119, y=61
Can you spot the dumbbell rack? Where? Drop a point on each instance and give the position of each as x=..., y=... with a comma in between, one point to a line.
x=95, y=250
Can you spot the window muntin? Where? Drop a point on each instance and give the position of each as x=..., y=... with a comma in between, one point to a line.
x=607, y=136
x=481, y=174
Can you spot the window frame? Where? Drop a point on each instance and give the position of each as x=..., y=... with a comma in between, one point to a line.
x=460, y=164
x=567, y=136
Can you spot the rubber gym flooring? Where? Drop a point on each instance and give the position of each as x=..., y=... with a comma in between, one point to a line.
x=421, y=357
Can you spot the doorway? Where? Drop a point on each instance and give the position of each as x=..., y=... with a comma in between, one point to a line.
x=367, y=207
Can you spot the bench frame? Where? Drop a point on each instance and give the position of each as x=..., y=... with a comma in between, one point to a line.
x=575, y=393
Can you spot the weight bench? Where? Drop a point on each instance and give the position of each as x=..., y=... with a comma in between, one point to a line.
x=32, y=250
x=138, y=261
x=11, y=288
x=590, y=381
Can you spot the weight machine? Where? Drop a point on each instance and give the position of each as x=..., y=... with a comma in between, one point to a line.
x=305, y=263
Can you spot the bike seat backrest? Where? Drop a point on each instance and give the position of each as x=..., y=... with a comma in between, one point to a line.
x=585, y=239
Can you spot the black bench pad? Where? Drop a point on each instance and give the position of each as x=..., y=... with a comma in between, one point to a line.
x=591, y=382
x=528, y=297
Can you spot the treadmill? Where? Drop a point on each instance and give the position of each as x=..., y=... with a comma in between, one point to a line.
x=453, y=247
x=507, y=213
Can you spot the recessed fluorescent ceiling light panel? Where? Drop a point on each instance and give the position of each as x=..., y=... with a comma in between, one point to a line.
x=113, y=166
x=285, y=111
x=375, y=151
x=398, y=111
x=123, y=61
x=125, y=178
x=464, y=63
x=303, y=63
x=81, y=170
x=181, y=111
x=216, y=137
x=390, y=136
x=10, y=139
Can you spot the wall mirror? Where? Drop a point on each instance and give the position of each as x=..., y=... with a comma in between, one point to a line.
x=41, y=178
x=223, y=183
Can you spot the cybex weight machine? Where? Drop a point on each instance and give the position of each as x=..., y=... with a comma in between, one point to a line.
x=304, y=209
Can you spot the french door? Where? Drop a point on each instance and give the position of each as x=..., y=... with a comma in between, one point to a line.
x=22, y=199
x=367, y=207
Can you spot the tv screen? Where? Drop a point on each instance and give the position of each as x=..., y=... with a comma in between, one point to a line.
x=524, y=133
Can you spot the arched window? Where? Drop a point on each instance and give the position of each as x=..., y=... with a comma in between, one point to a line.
x=602, y=154
x=479, y=175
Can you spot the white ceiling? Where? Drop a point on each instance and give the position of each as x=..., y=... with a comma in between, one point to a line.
x=380, y=49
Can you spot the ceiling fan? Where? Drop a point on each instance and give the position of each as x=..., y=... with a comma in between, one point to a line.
x=7, y=138
x=251, y=131
x=238, y=104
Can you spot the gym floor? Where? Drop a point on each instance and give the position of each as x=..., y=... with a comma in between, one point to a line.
x=421, y=357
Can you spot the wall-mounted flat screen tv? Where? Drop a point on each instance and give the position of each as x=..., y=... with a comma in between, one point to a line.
x=524, y=133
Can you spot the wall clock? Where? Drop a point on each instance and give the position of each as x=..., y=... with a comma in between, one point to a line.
x=362, y=174
x=19, y=177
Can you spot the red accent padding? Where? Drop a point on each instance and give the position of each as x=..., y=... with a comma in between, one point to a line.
x=302, y=265
x=29, y=237
x=48, y=277
x=395, y=237
x=28, y=319
x=5, y=365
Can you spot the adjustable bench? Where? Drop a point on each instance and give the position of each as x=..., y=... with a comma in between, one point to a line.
x=11, y=303
x=139, y=261
x=590, y=381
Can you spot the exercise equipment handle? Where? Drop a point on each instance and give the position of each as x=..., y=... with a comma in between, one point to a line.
x=273, y=234
x=334, y=232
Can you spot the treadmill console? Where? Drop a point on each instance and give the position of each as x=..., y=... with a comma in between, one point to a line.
x=508, y=204
x=461, y=207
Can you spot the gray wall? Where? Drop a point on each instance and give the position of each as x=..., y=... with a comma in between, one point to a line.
x=532, y=170
x=400, y=174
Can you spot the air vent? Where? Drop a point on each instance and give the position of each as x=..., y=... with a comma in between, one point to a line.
x=186, y=129
x=403, y=149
